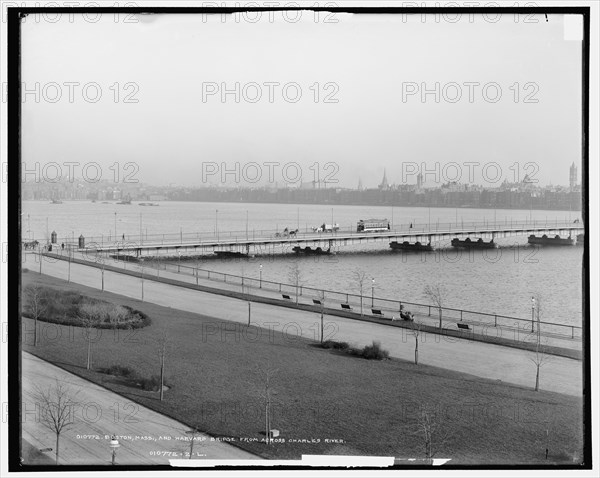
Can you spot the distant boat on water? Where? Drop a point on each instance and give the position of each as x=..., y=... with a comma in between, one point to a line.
x=147, y=204
x=469, y=244
x=407, y=246
x=551, y=241
x=230, y=254
x=55, y=201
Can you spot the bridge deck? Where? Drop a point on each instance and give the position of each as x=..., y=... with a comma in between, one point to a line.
x=338, y=238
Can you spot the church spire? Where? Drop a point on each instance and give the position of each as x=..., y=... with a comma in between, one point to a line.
x=384, y=182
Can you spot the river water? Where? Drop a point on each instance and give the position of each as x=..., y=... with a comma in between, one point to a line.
x=496, y=281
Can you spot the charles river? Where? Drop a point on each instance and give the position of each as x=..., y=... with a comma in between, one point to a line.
x=495, y=281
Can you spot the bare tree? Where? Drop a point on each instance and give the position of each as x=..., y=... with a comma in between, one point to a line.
x=162, y=354
x=540, y=357
x=322, y=301
x=89, y=315
x=295, y=277
x=415, y=330
x=36, y=306
x=437, y=294
x=57, y=407
x=359, y=280
x=246, y=291
x=268, y=373
x=435, y=433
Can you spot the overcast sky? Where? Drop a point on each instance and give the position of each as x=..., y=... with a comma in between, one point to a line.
x=366, y=66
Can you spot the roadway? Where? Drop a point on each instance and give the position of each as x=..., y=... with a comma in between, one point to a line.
x=484, y=360
x=99, y=413
x=324, y=239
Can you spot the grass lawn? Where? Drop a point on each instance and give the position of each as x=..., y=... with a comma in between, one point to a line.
x=367, y=407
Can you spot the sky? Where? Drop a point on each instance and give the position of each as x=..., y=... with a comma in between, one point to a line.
x=316, y=100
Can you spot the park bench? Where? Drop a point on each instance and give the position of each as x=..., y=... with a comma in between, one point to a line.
x=285, y=296
x=346, y=306
x=378, y=312
x=463, y=326
x=316, y=302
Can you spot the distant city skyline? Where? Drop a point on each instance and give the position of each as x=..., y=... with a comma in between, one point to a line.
x=53, y=172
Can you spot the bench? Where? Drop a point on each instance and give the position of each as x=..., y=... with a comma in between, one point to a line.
x=346, y=306
x=285, y=296
x=377, y=312
x=463, y=326
x=316, y=302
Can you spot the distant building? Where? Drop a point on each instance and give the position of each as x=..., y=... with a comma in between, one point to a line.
x=419, y=181
x=385, y=185
x=572, y=176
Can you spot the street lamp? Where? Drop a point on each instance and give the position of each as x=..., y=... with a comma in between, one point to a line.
x=193, y=432
x=429, y=208
x=179, y=262
x=532, y=311
x=260, y=276
x=373, y=292
x=142, y=276
x=69, y=277
x=114, y=444
x=217, y=223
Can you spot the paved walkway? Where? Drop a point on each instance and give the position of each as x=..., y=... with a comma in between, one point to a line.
x=519, y=331
x=495, y=362
x=99, y=413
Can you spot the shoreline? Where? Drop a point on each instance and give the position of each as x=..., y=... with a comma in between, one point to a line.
x=329, y=204
x=446, y=332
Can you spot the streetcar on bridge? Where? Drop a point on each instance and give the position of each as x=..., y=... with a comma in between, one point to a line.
x=373, y=225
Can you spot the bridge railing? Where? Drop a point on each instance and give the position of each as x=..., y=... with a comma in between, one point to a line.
x=334, y=299
x=257, y=234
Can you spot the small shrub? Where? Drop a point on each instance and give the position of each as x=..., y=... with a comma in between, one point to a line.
x=151, y=384
x=120, y=371
x=69, y=308
x=333, y=344
x=374, y=352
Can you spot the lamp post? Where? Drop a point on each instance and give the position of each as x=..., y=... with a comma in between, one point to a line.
x=217, y=223
x=332, y=220
x=69, y=276
x=142, y=282
x=179, y=261
x=532, y=311
x=115, y=226
x=114, y=444
x=429, y=208
x=260, y=276
x=373, y=292
x=193, y=432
